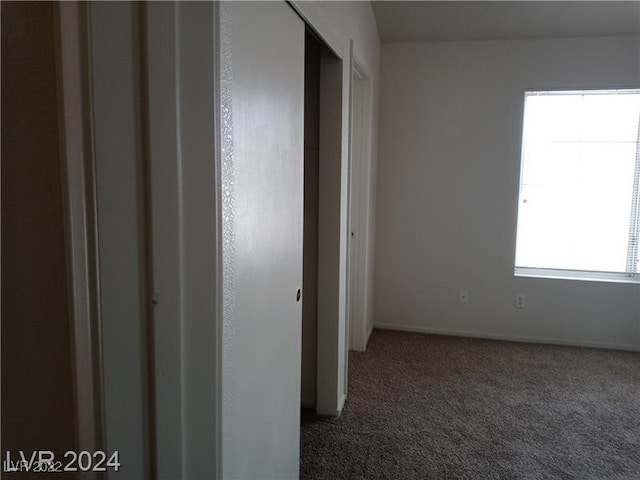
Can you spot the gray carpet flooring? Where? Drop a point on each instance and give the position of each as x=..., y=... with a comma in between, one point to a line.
x=438, y=407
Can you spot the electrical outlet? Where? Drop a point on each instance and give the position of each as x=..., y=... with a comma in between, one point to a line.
x=464, y=295
x=520, y=300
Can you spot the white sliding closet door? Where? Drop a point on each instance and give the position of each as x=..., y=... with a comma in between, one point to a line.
x=262, y=103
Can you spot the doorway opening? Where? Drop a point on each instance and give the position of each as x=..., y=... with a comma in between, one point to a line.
x=312, y=52
x=360, y=221
x=324, y=342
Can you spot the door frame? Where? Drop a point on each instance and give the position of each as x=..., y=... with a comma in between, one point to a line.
x=333, y=224
x=360, y=288
x=183, y=129
x=200, y=137
x=73, y=63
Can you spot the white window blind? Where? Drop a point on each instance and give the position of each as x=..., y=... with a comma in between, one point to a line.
x=579, y=210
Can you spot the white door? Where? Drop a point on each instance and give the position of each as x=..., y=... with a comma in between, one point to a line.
x=357, y=335
x=262, y=102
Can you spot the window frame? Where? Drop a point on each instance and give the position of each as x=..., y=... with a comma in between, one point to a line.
x=634, y=221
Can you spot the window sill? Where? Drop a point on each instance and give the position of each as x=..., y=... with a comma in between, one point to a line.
x=579, y=275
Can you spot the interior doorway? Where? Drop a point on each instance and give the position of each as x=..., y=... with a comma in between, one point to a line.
x=310, y=237
x=324, y=342
x=360, y=311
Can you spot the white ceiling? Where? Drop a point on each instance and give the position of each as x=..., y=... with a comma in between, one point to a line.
x=422, y=21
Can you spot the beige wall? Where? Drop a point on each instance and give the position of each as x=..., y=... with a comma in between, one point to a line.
x=37, y=392
x=450, y=132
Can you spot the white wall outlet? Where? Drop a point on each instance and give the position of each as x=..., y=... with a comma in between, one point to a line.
x=464, y=295
x=520, y=300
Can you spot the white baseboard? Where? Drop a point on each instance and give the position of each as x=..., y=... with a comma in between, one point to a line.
x=368, y=336
x=341, y=404
x=510, y=338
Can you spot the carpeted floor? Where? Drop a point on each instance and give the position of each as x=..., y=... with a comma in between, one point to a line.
x=437, y=407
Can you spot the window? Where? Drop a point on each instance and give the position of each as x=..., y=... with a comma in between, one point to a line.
x=579, y=205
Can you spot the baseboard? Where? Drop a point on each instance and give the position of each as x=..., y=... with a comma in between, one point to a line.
x=509, y=338
x=368, y=336
x=341, y=404
x=366, y=342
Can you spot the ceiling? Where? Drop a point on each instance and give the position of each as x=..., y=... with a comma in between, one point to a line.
x=423, y=21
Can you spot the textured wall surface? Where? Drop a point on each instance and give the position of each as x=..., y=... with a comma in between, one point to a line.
x=450, y=138
x=37, y=389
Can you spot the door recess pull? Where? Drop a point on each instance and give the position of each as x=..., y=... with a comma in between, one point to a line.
x=298, y=295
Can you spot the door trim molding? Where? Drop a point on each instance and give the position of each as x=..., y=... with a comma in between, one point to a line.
x=333, y=327
x=73, y=62
x=361, y=296
x=314, y=18
x=76, y=130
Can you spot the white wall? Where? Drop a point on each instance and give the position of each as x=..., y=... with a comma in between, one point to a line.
x=344, y=21
x=450, y=132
